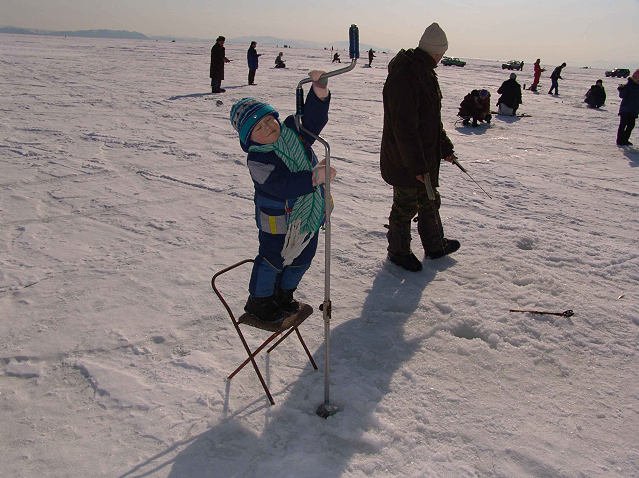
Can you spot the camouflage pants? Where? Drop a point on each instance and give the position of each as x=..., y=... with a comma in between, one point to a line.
x=408, y=202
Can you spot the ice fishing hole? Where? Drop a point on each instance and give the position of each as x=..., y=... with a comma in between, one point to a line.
x=465, y=331
x=526, y=244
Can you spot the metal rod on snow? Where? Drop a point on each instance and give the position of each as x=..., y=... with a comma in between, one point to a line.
x=457, y=163
x=565, y=313
x=326, y=409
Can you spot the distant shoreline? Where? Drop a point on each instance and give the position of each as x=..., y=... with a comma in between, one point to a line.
x=124, y=34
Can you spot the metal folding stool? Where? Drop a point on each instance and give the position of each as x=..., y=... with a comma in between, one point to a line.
x=284, y=328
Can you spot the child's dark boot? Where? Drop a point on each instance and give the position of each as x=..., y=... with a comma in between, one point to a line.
x=264, y=308
x=284, y=298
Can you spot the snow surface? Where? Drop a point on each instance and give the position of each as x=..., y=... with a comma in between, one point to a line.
x=123, y=189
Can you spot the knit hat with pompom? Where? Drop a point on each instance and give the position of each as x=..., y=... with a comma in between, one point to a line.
x=245, y=114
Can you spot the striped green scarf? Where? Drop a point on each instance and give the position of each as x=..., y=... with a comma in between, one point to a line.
x=308, y=212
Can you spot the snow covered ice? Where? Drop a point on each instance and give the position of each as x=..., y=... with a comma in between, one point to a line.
x=123, y=189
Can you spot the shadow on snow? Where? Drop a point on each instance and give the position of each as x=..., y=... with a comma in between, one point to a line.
x=366, y=353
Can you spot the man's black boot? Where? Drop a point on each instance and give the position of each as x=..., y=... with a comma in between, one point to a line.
x=399, y=252
x=406, y=261
x=450, y=246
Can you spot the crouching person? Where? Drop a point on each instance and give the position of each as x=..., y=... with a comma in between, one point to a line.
x=289, y=197
x=596, y=95
x=510, y=98
x=475, y=106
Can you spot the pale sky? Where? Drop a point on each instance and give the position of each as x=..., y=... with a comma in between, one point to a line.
x=580, y=32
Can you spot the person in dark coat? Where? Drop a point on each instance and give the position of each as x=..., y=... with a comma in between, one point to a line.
x=413, y=144
x=279, y=61
x=554, y=78
x=629, y=109
x=596, y=95
x=510, y=98
x=371, y=55
x=475, y=106
x=336, y=58
x=252, y=58
x=217, y=65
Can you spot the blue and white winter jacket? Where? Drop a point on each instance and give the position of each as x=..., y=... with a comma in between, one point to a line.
x=276, y=187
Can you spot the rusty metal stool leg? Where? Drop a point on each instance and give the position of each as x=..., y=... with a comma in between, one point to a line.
x=284, y=328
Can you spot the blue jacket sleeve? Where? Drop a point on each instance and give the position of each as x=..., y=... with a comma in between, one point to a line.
x=272, y=178
x=315, y=115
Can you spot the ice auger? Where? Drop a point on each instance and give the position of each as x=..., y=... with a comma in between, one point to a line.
x=326, y=409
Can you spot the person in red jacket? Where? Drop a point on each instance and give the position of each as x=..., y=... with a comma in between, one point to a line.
x=538, y=70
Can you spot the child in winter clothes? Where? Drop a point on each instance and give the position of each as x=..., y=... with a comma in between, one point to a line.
x=629, y=109
x=475, y=106
x=289, y=197
x=596, y=95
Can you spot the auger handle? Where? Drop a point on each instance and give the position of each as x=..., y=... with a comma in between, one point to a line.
x=353, y=38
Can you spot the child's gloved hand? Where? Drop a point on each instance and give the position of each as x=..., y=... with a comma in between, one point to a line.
x=320, y=87
x=319, y=173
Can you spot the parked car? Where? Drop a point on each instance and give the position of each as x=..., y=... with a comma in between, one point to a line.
x=513, y=65
x=618, y=73
x=448, y=61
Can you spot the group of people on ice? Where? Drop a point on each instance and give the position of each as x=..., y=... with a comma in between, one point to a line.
x=219, y=59
x=475, y=106
x=289, y=180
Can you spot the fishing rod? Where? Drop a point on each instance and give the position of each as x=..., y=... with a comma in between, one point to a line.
x=565, y=313
x=326, y=409
x=458, y=164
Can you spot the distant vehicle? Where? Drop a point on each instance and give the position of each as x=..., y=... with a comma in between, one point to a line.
x=448, y=61
x=513, y=65
x=618, y=73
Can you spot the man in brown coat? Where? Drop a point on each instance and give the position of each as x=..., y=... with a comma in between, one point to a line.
x=413, y=144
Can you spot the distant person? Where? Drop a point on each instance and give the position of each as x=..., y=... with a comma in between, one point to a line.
x=537, y=75
x=217, y=65
x=336, y=58
x=510, y=98
x=596, y=95
x=371, y=55
x=252, y=58
x=413, y=144
x=289, y=197
x=629, y=109
x=279, y=61
x=475, y=106
x=521, y=66
x=554, y=78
